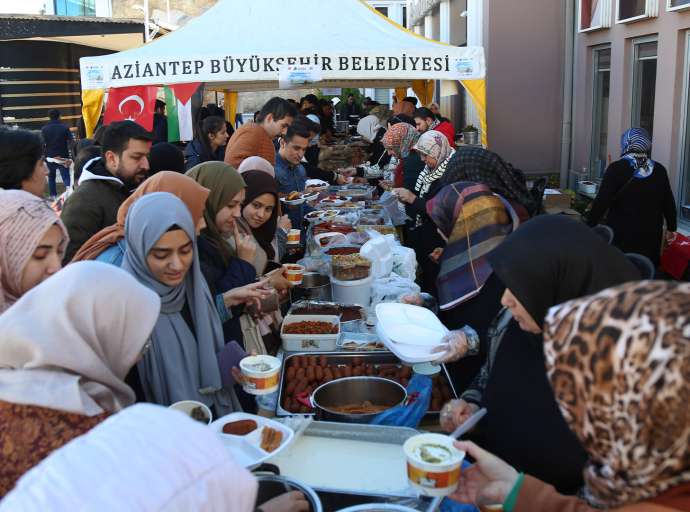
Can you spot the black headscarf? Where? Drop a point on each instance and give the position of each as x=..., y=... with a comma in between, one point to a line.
x=165, y=157
x=483, y=166
x=552, y=259
x=259, y=183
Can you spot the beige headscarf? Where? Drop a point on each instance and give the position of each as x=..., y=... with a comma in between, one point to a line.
x=24, y=220
x=68, y=343
x=256, y=163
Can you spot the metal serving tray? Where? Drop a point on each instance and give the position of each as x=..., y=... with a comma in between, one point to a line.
x=346, y=357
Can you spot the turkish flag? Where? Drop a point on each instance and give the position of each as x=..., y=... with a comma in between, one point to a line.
x=131, y=104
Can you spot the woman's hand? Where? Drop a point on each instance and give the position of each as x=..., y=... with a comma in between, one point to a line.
x=251, y=293
x=488, y=481
x=455, y=346
x=293, y=501
x=245, y=246
x=348, y=171
x=284, y=223
x=671, y=237
x=412, y=298
x=404, y=195
x=436, y=254
x=386, y=184
x=279, y=282
x=455, y=413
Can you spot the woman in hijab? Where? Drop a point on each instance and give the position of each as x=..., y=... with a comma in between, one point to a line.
x=67, y=347
x=32, y=243
x=473, y=221
x=547, y=261
x=372, y=131
x=618, y=365
x=635, y=198
x=435, y=151
x=108, y=245
x=165, y=157
x=399, y=141
x=226, y=252
x=483, y=166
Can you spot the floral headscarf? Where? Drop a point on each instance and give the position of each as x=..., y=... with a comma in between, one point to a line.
x=435, y=145
x=636, y=145
x=400, y=138
x=619, y=364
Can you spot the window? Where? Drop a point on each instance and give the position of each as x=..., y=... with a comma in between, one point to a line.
x=633, y=10
x=644, y=83
x=383, y=10
x=684, y=189
x=594, y=15
x=600, y=110
x=676, y=5
x=75, y=7
x=404, y=23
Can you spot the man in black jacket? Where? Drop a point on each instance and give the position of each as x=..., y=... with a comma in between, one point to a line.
x=57, y=139
x=106, y=182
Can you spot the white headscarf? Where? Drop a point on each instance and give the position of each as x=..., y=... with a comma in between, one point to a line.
x=368, y=126
x=68, y=343
x=256, y=163
x=315, y=119
x=154, y=459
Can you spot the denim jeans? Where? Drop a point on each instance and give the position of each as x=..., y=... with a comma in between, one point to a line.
x=52, y=172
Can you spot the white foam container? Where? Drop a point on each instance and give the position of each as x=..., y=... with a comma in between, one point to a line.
x=309, y=342
x=352, y=292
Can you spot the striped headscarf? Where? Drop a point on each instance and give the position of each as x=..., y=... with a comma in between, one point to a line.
x=636, y=145
x=24, y=220
x=474, y=221
x=400, y=138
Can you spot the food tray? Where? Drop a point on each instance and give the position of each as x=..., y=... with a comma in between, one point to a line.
x=301, y=342
x=330, y=457
x=246, y=450
x=346, y=358
x=363, y=341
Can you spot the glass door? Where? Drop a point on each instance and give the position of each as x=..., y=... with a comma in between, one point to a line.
x=644, y=83
x=600, y=110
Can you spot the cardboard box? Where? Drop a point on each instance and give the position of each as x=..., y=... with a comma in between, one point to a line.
x=555, y=199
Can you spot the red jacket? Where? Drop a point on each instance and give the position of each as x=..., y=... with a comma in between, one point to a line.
x=448, y=130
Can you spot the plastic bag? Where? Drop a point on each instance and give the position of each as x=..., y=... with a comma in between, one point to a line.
x=394, y=208
x=404, y=262
x=391, y=288
x=410, y=413
x=378, y=251
x=319, y=265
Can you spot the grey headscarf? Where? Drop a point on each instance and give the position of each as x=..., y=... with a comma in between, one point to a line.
x=181, y=365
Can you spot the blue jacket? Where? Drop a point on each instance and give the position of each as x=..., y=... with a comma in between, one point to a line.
x=292, y=179
x=56, y=137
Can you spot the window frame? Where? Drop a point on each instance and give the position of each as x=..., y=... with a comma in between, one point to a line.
x=636, y=43
x=596, y=120
x=684, y=144
x=671, y=8
x=605, y=17
x=651, y=11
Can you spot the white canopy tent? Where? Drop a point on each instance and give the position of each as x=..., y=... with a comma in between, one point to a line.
x=241, y=45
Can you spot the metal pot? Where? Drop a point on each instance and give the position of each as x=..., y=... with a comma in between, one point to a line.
x=314, y=286
x=272, y=486
x=355, y=390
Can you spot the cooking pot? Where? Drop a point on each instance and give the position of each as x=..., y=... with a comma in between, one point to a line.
x=314, y=286
x=355, y=390
x=272, y=485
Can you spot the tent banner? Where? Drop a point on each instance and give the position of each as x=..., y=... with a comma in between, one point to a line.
x=441, y=63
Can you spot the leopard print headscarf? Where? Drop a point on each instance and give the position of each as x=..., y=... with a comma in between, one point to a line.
x=619, y=364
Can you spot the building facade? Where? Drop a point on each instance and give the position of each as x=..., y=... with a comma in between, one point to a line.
x=632, y=68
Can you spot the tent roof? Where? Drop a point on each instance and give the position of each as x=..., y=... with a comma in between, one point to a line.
x=347, y=41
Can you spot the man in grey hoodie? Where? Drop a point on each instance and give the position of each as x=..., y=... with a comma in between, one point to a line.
x=106, y=182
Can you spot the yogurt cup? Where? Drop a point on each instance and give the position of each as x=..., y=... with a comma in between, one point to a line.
x=433, y=464
x=294, y=273
x=261, y=374
x=293, y=236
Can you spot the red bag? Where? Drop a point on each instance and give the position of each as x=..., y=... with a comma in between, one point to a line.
x=675, y=258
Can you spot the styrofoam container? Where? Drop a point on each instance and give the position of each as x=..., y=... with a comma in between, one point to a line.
x=186, y=407
x=437, y=478
x=309, y=342
x=352, y=292
x=260, y=382
x=379, y=252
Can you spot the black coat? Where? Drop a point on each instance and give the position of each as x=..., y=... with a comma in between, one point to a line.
x=635, y=208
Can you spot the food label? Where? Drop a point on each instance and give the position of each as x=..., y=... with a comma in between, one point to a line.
x=266, y=383
x=433, y=480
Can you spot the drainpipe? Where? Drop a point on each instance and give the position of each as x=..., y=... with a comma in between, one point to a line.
x=569, y=61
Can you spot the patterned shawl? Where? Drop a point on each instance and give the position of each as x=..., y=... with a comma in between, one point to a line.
x=474, y=221
x=400, y=139
x=635, y=148
x=483, y=166
x=619, y=364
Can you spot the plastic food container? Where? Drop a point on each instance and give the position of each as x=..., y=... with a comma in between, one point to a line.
x=261, y=374
x=350, y=267
x=352, y=292
x=433, y=464
x=293, y=236
x=309, y=342
x=294, y=273
x=189, y=407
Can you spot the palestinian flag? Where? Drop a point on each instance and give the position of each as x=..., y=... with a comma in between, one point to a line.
x=178, y=106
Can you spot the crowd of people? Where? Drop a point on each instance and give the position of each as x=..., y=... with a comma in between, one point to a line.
x=133, y=288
